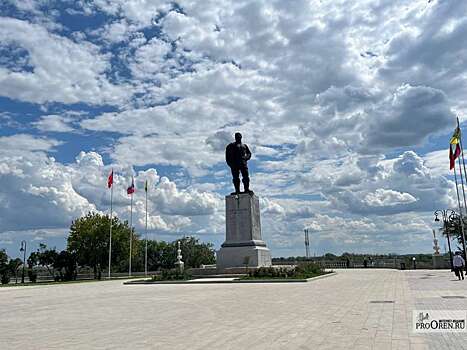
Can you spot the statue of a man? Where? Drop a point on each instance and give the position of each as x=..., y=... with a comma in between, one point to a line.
x=237, y=154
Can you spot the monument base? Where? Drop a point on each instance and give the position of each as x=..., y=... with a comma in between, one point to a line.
x=229, y=257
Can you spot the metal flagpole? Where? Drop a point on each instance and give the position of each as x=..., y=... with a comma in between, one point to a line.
x=463, y=190
x=131, y=231
x=111, y=217
x=462, y=148
x=460, y=210
x=146, y=234
x=459, y=162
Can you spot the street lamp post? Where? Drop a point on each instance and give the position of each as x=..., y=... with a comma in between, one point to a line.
x=23, y=249
x=444, y=213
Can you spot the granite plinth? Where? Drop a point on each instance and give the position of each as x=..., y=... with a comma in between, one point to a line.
x=243, y=234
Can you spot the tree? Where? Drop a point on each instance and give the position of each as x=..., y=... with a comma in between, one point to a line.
x=5, y=271
x=3, y=257
x=196, y=253
x=44, y=257
x=14, y=265
x=89, y=241
x=65, y=263
x=454, y=230
x=162, y=255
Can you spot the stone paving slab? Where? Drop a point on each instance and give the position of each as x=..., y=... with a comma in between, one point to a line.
x=331, y=313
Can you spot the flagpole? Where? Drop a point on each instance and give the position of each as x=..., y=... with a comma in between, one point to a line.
x=463, y=189
x=146, y=234
x=131, y=232
x=461, y=217
x=459, y=161
x=111, y=217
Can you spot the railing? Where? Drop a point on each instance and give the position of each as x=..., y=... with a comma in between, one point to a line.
x=378, y=263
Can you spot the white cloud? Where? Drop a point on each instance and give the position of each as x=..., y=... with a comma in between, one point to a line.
x=140, y=12
x=19, y=144
x=382, y=197
x=63, y=71
x=40, y=193
x=53, y=123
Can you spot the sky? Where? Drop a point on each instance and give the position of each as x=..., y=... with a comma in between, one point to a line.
x=347, y=107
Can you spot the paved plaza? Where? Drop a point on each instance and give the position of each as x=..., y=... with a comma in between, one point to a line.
x=337, y=312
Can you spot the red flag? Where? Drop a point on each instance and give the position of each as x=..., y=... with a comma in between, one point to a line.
x=131, y=189
x=110, y=180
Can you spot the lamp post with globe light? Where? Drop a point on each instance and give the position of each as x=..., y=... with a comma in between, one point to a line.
x=23, y=250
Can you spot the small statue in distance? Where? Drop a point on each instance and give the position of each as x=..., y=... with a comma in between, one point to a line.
x=237, y=154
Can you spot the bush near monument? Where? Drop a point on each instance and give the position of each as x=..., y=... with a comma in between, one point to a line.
x=300, y=271
x=172, y=275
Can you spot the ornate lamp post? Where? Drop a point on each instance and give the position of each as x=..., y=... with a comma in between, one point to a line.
x=23, y=250
x=445, y=213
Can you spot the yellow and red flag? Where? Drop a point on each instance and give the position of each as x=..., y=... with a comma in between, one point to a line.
x=454, y=147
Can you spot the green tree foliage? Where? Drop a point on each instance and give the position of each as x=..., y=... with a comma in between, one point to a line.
x=44, y=257
x=14, y=265
x=196, y=253
x=163, y=255
x=66, y=263
x=3, y=257
x=8, y=267
x=60, y=265
x=89, y=242
x=5, y=271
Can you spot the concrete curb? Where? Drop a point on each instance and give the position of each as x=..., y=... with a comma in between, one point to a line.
x=233, y=281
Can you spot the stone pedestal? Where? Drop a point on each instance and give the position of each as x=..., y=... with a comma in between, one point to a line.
x=243, y=234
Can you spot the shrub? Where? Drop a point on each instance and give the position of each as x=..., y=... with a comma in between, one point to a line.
x=172, y=275
x=308, y=268
x=303, y=270
x=271, y=272
x=5, y=279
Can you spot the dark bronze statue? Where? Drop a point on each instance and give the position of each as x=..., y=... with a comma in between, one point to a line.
x=237, y=154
